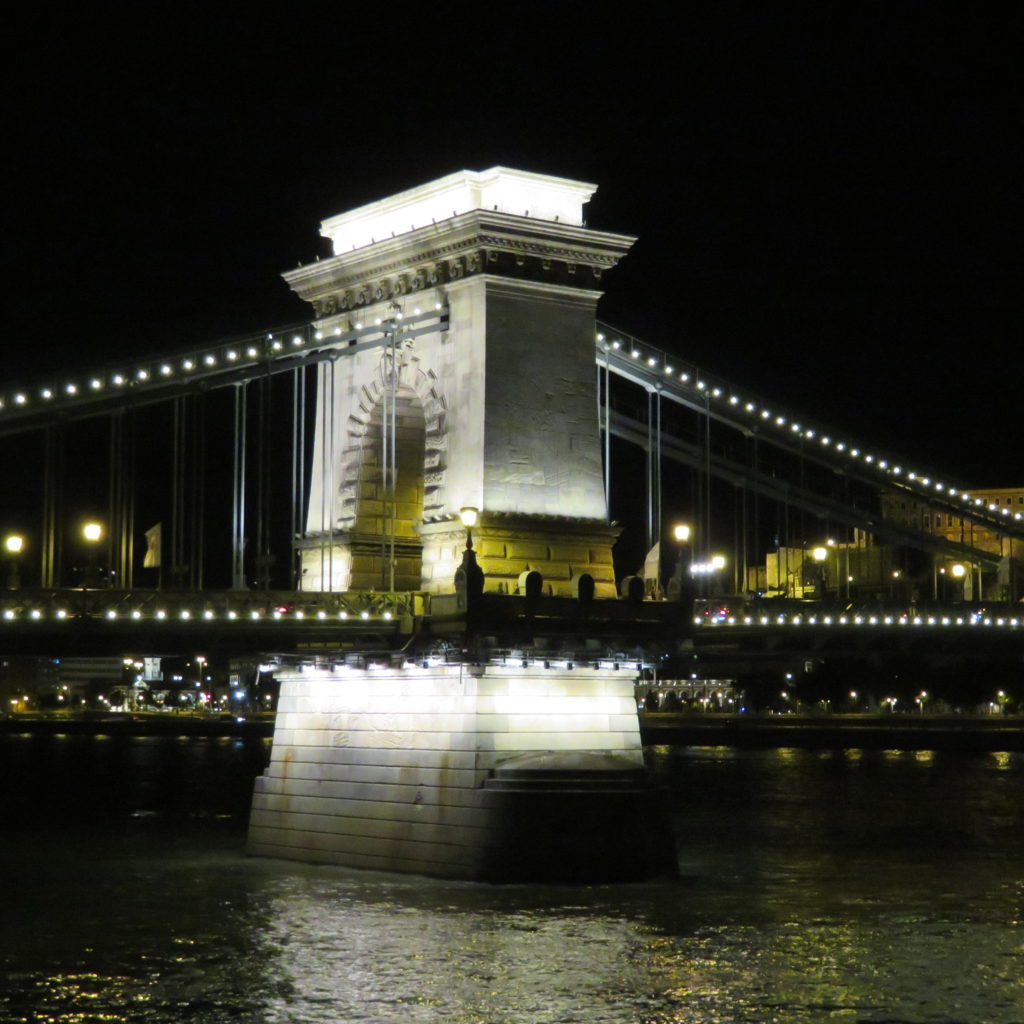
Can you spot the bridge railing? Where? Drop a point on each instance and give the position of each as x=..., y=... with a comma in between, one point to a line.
x=982, y=618
x=56, y=604
x=652, y=367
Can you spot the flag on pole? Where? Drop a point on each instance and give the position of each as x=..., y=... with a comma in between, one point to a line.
x=652, y=570
x=152, y=559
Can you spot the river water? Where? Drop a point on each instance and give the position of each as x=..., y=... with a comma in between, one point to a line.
x=816, y=886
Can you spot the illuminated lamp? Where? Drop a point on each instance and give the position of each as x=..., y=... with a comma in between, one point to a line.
x=469, y=577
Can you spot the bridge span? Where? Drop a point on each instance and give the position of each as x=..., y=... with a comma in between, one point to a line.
x=409, y=503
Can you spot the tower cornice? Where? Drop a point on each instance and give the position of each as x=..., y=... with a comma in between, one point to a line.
x=470, y=243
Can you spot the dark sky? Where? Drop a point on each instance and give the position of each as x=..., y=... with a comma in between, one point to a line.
x=827, y=204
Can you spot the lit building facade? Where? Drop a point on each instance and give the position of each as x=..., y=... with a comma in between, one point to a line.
x=978, y=582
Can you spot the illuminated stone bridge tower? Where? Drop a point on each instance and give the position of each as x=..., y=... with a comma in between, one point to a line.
x=464, y=376
x=493, y=405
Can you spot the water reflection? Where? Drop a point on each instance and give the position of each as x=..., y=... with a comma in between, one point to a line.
x=817, y=886
x=349, y=950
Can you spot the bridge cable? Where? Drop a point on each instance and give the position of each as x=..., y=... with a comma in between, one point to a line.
x=330, y=477
x=238, y=501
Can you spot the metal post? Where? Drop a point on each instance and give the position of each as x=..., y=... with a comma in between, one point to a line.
x=384, y=452
x=198, y=493
x=650, y=475
x=657, y=470
x=177, y=498
x=325, y=441
x=607, y=437
x=117, y=526
x=394, y=453
x=296, y=468
x=330, y=497
x=238, y=512
x=128, y=452
x=707, y=478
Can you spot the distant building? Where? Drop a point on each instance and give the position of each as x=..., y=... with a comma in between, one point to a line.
x=916, y=514
x=1004, y=583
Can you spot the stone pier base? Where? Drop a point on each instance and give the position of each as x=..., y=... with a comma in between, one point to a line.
x=488, y=773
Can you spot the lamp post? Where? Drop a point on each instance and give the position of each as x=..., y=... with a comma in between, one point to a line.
x=958, y=572
x=469, y=577
x=468, y=514
x=820, y=555
x=681, y=535
x=15, y=544
x=92, y=531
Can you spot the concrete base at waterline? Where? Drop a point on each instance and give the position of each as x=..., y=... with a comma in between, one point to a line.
x=487, y=773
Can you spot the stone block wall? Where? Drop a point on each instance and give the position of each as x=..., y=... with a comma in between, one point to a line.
x=384, y=768
x=507, y=546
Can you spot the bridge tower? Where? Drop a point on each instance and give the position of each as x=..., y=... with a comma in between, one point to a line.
x=493, y=407
x=482, y=767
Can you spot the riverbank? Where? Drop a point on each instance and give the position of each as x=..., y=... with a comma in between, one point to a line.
x=141, y=723
x=873, y=732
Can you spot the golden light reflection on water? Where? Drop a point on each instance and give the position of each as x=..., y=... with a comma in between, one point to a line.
x=816, y=888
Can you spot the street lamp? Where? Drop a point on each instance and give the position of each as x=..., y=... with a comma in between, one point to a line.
x=468, y=514
x=14, y=543
x=92, y=531
x=469, y=577
x=820, y=555
x=681, y=535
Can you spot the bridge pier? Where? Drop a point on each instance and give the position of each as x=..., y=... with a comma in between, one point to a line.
x=478, y=772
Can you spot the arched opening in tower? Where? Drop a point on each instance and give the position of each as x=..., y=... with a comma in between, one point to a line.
x=387, y=550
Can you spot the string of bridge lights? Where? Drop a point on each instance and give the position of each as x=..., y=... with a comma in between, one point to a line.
x=270, y=345
x=644, y=355
x=911, y=621
x=185, y=615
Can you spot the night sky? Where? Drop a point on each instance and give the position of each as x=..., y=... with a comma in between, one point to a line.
x=827, y=204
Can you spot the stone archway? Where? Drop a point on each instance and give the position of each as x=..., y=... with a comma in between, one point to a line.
x=414, y=385
x=380, y=515
x=387, y=553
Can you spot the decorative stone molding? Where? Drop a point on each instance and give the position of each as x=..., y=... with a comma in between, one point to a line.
x=371, y=391
x=479, y=236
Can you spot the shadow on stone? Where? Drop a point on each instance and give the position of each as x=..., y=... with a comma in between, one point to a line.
x=578, y=817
